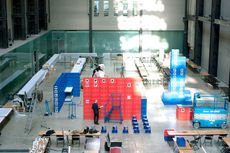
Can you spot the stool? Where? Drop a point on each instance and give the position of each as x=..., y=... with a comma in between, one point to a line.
x=136, y=127
x=114, y=129
x=103, y=129
x=145, y=123
x=146, y=127
x=144, y=120
x=135, y=123
x=136, y=130
x=125, y=130
x=143, y=116
x=134, y=120
x=134, y=117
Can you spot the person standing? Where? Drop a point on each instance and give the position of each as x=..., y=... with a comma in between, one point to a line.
x=95, y=112
x=122, y=72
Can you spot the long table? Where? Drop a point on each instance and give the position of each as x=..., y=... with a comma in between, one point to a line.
x=197, y=132
x=70, y=133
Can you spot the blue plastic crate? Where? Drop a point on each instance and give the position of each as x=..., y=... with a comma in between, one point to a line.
x=181, y=141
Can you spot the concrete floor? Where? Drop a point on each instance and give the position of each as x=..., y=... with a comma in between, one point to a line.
x=160, y=117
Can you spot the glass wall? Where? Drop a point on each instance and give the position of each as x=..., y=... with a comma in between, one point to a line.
x=19, y=65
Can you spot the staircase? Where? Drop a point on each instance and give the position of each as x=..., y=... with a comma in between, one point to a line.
x=112, y=107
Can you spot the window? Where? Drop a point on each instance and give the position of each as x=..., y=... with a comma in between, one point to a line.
x=96, y=8
x=135, y=11
x=125, y=8
x=115, y=7
x=106, y=8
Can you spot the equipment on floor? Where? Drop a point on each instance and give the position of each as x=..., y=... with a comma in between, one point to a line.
x=125, y=130
x=114, y=129
x=210, y=111
x=103, y=129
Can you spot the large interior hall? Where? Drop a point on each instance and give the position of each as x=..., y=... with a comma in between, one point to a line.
x=114, y=76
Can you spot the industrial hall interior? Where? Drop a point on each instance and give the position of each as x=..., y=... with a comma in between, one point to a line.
x=114, y=76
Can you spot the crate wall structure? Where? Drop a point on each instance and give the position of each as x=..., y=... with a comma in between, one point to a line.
x=3, y=25
x=65, y=80
x=100, y=89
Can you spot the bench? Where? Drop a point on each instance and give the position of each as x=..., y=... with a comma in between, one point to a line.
x=210, y=80
x=194, y=67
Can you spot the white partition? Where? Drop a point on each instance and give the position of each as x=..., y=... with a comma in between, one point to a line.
x=30, y=85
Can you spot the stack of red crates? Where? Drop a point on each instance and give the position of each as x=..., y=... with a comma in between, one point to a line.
x=184, y=112
x=101, y=88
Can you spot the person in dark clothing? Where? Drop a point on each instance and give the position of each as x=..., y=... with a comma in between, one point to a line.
x=95, y=112
x=98, y=68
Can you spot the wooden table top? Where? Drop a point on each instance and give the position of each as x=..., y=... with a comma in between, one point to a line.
x=192, y=64
x=197, y=132
x=186, y=151
x=212, y=132
x=204, y=74
x=227, y=140
x=183, y=133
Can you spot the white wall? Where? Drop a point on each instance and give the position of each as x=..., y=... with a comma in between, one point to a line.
x=68, y=14
x=158, y=15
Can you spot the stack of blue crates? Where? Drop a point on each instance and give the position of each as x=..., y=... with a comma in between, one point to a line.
x=143, y=106
x=135, y=125
x=65, y=80
x=146, y=125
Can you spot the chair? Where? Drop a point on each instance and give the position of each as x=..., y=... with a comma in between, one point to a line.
x=208, y=139
x=220, y=139
x=60, y=139
x=225, y=148
x=195, y=143
x=76, y=139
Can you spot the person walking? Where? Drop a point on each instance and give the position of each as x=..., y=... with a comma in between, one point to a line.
x=95, y=108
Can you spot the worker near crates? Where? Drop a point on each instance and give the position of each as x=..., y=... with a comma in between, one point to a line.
x=96, y=108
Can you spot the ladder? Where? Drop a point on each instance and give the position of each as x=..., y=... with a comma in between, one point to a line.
x=115, y=99
x=31, y=112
